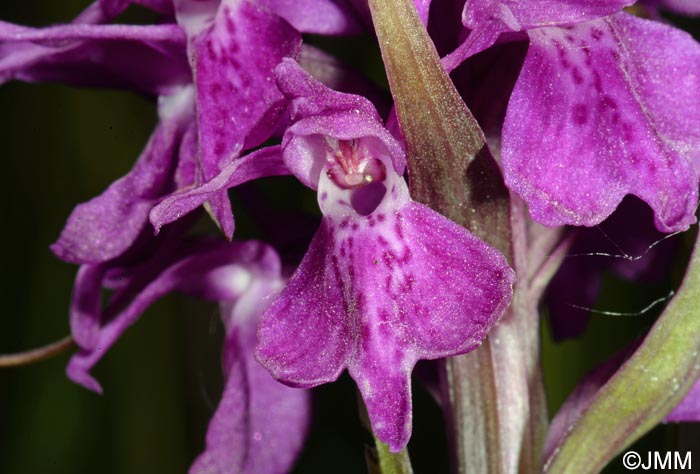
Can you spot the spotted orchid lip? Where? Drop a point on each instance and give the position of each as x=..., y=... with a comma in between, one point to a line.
x=386, y=281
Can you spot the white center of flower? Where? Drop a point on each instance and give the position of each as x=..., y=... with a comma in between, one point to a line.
x=350, y=166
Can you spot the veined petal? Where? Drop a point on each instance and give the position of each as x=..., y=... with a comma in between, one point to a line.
x=104, y=227
x=590, y=120
x=262, y=163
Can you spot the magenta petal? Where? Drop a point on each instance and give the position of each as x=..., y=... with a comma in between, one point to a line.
x=376, y=293
x=319, y=113
x=260, y=425
x=688, y=409
x=262, y=163
x=104, y=227
x=150, y=58
x=323, y=17
x=207, y=269
x=589, y=122
x=86, y=305
x=309, y=320
x=517, y=15
x=234, y=54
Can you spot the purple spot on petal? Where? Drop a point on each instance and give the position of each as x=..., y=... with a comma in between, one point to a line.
x=397, y=226
x=579, y=114
x=355, y=226
x=597, y=83
x=608, y=103
x=324, y=196
x=230, y=26
x=596, y=34
x=576, y=74
x=389, y=258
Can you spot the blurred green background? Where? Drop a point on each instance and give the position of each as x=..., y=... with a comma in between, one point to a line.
x=62, y=146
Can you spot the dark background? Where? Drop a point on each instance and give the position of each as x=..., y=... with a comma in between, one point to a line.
x=61, y=146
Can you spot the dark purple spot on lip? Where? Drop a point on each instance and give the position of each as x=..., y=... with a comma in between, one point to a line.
x=576, y=74
x=230, y=25
x=579, y=114
x=608, y=103
x=387, y=284
x=324, y=196
x=596, y=34
x=366, y=198
x=389, y=258
x=597, y=82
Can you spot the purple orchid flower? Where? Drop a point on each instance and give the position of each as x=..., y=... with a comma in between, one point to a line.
x=386, y=281
x=588, y=121
x=260, y=424
x=211, y=109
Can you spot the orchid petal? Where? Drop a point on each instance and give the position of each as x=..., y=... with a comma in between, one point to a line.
x=321, y=17
x=262, y=163
x=589, y=122
x=149, y=59
x=318, y=112
x=185, y=270
x=104, y=227
x=367, y=297
x=518, y=15
x=234, y=54
x=260, y=424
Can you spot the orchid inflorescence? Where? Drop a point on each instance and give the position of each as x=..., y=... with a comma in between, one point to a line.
x=518, y=136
